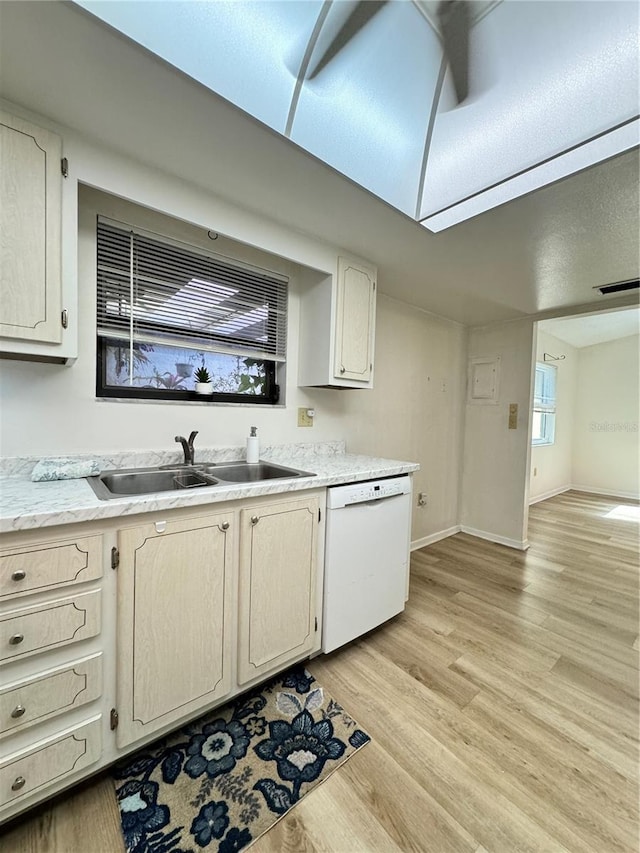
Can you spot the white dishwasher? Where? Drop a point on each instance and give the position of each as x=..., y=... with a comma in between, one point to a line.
x=366, y=558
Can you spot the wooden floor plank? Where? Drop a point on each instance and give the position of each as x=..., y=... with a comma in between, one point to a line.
x=440, y=750
x=85, y=820
x=546, y=702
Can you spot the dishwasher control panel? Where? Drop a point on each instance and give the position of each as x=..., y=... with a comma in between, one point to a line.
x=373, y=490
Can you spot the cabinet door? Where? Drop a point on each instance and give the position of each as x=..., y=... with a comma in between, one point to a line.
x=30, y=216
x=277, y=585
x=355, y=317
x=174, y=587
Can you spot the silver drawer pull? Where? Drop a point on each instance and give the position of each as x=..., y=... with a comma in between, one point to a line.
x=255, y=519
x=16, y=639
x=18, y=575
x=343, y=369
x=18, y=711
x=225, y=525
x=18, y=782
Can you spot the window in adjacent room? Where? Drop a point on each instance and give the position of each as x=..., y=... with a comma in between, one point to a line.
x=166, y=309
x=544, y=405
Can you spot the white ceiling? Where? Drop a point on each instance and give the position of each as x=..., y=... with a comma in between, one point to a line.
x=590, y=329
x=543, y=252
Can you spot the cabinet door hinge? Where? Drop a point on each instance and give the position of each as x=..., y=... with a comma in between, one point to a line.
x=316, y=624
x=115, y=558
x=113, y=719
x=64, y=167
x=64, y=318
x=319, y=514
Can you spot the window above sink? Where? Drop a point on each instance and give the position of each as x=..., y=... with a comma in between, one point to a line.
x=166, y=311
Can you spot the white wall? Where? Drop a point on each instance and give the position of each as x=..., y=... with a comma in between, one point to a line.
x=416, y=408
x=50, y=409
x=606, y=451
x=496, y=459
x=551, y=464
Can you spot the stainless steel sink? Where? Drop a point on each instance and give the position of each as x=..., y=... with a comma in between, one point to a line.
x=243, y=472
x=145, y=481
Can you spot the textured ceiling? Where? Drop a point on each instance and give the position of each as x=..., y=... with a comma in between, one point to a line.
x=594, y=328
x=542, y=252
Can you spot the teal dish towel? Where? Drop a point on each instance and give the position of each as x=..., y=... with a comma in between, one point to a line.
x=64, y=468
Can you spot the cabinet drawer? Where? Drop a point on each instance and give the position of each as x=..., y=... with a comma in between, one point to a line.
x=49, y=626
x=32, y=700
x=49, y=564
x=50, y=761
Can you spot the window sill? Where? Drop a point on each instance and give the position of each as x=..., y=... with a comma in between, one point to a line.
x=205, y=402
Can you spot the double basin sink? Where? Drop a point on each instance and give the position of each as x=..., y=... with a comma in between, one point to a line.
x=128, y=482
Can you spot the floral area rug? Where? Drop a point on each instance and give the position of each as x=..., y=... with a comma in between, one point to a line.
x=222, y=781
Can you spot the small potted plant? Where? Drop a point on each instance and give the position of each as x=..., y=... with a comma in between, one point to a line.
x=203, y=381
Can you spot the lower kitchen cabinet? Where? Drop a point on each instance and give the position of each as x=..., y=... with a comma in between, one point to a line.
x=118, y=632
x=52, y=606
x=50, y=761
x=55, y=691
x=173, y=631
x=277, y=585
x=48, y=626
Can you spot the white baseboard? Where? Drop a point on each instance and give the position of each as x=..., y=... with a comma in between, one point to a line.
x=550, y=494
x=520, y=545
x=434, y=537
x=634, y=496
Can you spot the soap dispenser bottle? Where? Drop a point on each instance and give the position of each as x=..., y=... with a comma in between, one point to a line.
x=253, y=447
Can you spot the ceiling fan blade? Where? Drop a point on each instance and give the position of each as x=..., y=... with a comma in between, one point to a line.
x=455, y=22
x=361, y=15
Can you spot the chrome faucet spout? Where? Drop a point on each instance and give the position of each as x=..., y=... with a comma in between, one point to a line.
x=192, y=438
x=187, y=447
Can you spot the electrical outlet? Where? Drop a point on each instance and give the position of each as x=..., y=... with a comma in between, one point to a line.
x=513, y=416
x=422, y=499
x=304, y=419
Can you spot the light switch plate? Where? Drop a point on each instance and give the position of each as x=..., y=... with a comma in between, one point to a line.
x=513, y=416
x=303, y=418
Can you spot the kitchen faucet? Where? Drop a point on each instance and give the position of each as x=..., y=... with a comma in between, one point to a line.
x=187, y=446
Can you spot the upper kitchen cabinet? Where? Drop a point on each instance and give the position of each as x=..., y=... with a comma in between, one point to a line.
x=30, y=232
x=337, y=328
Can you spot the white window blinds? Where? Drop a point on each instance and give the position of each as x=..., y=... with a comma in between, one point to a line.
x=544, y=396
x=544, y=405
x=154, y=290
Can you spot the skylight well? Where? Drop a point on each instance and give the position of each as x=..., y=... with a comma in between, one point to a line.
x=368, y=87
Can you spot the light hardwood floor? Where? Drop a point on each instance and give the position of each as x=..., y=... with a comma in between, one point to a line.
x=503, y=707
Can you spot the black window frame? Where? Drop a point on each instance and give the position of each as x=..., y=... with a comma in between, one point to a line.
x=271, y=395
